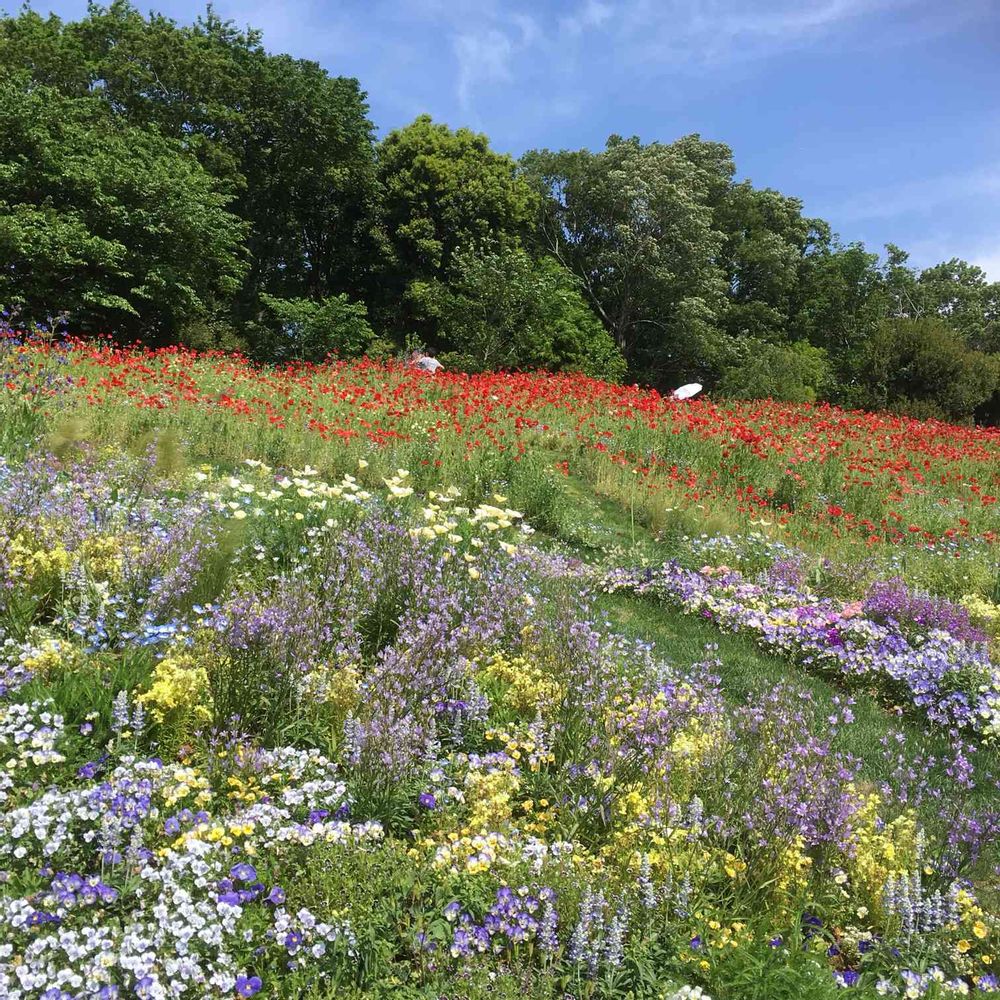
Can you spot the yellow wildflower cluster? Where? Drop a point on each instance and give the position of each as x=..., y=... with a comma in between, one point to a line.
x=794, y=866
x=179, y=689
x=527, y=685
x=518, y=743
x=986, y=615
x=880, y=850
x=472, y=854
x=715, y=937
x=973, y=952
x=184, y=783
x=103, y=555
x=983, y=612
x=226, y=835
x=245, y=791
x=49, y=656
x=343, y=688
x=284, y=495
x=491, y=794
x=539, y=815
x=442, y=518
x=691, y=749
x=38, y=566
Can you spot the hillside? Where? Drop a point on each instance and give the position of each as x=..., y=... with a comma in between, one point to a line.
x=349, y=680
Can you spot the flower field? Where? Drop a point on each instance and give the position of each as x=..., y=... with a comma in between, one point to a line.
x=310, y=686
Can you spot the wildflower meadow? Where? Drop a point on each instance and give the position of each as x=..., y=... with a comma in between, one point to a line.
x=351, y=681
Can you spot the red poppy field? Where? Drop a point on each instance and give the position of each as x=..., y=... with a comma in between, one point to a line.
x=817, y=471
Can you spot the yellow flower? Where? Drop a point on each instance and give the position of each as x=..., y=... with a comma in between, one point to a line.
x=963, y=946
x=980, y=929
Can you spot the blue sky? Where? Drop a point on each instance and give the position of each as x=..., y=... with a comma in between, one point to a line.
x=883, y=116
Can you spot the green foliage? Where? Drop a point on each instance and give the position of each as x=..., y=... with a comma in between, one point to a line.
x=634, y=224
x=499, y=308
x=795, y=372
x=445, y=189
x=107, y=219
x=838, y=301
x=306, y=330
x=765, y=238
x=441, y=190
x=959, y=293
x=290, y=145
x=924, y=368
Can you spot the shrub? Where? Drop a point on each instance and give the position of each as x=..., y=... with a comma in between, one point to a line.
x=794, y=373
x=310, y=330
x=924, y=368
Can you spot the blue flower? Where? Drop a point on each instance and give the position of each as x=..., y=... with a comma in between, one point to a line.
x=244, y=871
x=276, y=896
x=247, y=986
x=847, y=978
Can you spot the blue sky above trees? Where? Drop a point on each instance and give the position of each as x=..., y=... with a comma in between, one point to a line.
x=881, y=115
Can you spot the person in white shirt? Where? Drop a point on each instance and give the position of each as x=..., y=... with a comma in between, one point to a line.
x=425, y=362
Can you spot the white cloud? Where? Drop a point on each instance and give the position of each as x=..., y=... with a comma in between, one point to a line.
x=483, y=57
x=591, y=14
x=916, y=196
x=989, y=261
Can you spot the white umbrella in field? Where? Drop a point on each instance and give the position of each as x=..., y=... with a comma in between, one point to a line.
x=686, y=391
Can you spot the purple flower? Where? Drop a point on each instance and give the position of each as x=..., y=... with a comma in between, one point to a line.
x=276, y=896
x=427, y=800
x=244, y=872
x=247, y=986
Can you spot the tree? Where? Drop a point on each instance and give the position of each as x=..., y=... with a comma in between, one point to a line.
x=291, y=144
x=307, y=330
x=924, y=367
x=443, y=190
x=959, y=293
x=796, y=373
x=764, y=239
x=108, y=221
x=837, y=304
x=634, y=224
x=500, y=308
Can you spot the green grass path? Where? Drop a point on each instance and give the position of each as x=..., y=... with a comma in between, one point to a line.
x=599, y=525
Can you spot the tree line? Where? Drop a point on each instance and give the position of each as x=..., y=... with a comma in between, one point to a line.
x=179, y=183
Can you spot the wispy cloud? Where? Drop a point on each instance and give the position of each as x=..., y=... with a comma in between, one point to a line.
x=915, y=197
x=483, y=56
x=989, y=261
x=591, y=14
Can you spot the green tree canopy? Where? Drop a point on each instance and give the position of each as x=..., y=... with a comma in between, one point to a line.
x=634, y=223
x=764, y=239
x=107, y=220
x=500, y=308
x=960, y=293
x=442, y=190
x=924, y=367
x=291, y=144
x=795, y=373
